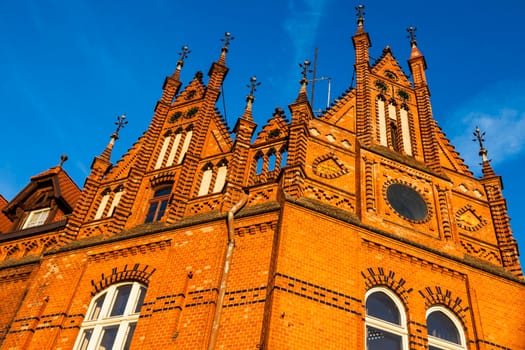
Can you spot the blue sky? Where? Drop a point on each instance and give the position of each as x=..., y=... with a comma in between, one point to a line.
x=68, y=68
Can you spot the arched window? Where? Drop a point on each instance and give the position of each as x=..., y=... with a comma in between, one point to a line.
x=103, y=202
x=112, y=317
x=119, y=191
x=284, y=157
x=259, y=163
x=444, y=330
x=207, y=176
x=158, y=204
x=385, y=321
x=164, y=148
x=220, y=180
x=272, y=159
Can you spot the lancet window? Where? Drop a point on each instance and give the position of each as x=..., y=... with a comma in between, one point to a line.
x=213, y=178
x=174, y=147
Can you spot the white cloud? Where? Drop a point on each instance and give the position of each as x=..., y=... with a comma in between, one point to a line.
x=302, y=25
x=499, y=111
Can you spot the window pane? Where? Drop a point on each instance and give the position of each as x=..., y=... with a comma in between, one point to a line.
x=377, y=339
x=119, y=305
x=141, y=299
x=379, y=305
x=162, y=192
x=108, y=338
x=440, y=326
x=86, y=337
x=162, y=209
x=95, y=314
x=129, y=335
x=151, y=212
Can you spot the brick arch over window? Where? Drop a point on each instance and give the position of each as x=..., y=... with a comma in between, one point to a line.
x=136, y=273
x=379, y=277
x=439, y=296
x=162, y=179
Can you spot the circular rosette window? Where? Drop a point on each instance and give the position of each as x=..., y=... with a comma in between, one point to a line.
x=407, y=202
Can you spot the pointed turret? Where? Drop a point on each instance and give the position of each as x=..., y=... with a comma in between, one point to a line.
x=239, y=166
x=172, y=84
x=429, y=130
x=362, y=44
x=99, y=168
x=498, y=208
x=301, y=115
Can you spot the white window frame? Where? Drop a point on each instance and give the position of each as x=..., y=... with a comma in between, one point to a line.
x=444, y=344
x=207, y=176
x=36, y=218
x=104, y=320
x=220, y=180
x=399, y=330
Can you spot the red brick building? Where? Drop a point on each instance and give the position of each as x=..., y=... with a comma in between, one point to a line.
x=358, y=228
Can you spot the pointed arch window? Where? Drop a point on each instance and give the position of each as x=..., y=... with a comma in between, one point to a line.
x=174, y=148
x=158, y=204
x=185, y=145
x=381, y=117
x=259, y=163
x=119, y=191
x=112, y=317
x=207, y=176
x=220, y=180
x=405, y=130
x=103, y=203
x=385, y=321
x=444, y=330
x=163, y=149
x=272, y=160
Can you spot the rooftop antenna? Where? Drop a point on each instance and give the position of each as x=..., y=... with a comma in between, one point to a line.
x=315, y=79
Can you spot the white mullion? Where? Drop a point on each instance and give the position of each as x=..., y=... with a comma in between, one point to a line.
x=174, y=149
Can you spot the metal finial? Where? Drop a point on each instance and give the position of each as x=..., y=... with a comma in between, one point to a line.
x=480, y=139
x=412, y=35
x=304, y=66
x=360, y=14
x=183, y=55
x=120, y=123
x=63, y=158
x=227, y=38
x=253, y=87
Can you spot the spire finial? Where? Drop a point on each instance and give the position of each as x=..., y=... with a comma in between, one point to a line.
x=360, y=15
x=227, y=38
x=120, y=123
x=412, y=35
x=183, y=55
x=63, y=158
x=480, y=139
x=304, y=66
x=253, y=87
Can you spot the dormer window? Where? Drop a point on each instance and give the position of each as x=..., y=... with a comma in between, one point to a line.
x=36, y=218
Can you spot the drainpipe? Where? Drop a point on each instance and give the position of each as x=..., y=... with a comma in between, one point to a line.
x=225, y=271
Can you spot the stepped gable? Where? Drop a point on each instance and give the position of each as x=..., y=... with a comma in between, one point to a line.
x=342, y=111
x=193, y=92
x=448, y=155
x=387, y=66
x=275, y=128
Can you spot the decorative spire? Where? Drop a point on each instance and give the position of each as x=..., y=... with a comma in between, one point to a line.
x=304, y=66
x=120, y=123
x=226, y=40
x=360, y=17
x=183, y=55
x=63, y=158
x=480, y=139
x=253, y=87
x=486, y=169
x=412, y=35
